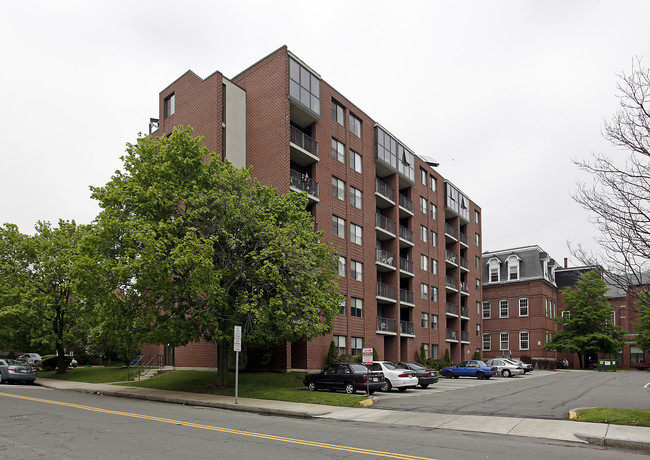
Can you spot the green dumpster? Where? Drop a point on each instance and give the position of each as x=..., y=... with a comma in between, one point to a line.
x=606, y=365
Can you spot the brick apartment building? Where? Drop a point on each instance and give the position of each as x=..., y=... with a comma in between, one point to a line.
x=409, y=239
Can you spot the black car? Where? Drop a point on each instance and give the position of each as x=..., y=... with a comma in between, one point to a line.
x=349, y=377
x=426, y=375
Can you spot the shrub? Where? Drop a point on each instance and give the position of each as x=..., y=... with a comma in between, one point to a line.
x=447, y=358
x=526, y=359
x=422, y=356
x=477, y=355
x=50, y=362
x=436, y=363
x=332, y=354
x=349, y=359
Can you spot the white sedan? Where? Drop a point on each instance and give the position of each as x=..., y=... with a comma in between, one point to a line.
x=505, y=367
x=396, y=376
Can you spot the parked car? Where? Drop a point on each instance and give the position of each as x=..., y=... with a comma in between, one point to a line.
x=469, y=368
x=349, y=377
x=426, y=375
x=395, y=376
x=526, y=366
x=505, y=367
x=30, y=358
x=12, y=370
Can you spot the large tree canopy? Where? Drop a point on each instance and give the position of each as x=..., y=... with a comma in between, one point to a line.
x=198, y=246
x=39, y=304
x=585, y=323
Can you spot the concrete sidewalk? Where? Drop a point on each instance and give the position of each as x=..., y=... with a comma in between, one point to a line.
x=627, y=437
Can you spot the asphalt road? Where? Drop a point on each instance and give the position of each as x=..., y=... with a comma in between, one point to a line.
x=540, y=394
x=51, y=424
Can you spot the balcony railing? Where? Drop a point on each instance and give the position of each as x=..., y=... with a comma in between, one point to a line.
x=385, y=257
x=464, y=287
x=304, y=141
x=451, y=231
x=405, y=234
x=464, y=336
x=405, y=265
x=304, y=183
x=386, y=324
x=385, y=223
x=406, y=296
x=464, y=312
x=405, y=202
x=451, y=308
x=383, y=189
x=407, y=327
x=451, y=282
x=386, y=290
x=463, y=239
x=464, y=263
x=452, y=334
x=451, y=257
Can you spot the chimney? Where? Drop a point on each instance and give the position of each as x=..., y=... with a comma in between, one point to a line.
x=565, y=263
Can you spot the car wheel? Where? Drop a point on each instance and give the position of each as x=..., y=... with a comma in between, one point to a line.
x=402, y=389
x=311, y=386
x=349, y=389
x=449, y=374
x=506, y=373
x=480, y=375
x=387, y=386
x=424, y=385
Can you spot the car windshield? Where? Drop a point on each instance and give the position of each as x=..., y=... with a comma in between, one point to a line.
x=358, y=368
x=13, y=362
x=392, y=366
x=374, y=367
x=481, y=363
x=417, y=365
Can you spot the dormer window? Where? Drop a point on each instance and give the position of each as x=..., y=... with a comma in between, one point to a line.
x=513, y=267
x=494, y=266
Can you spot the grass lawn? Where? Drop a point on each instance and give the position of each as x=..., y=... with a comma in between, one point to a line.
x=634, y=417
x=265, y=385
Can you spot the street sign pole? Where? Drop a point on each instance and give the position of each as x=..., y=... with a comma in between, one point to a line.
x=367, y=360
x=237, y=349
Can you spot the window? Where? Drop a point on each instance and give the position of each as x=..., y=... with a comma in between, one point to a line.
x=523, y=307
x=523, y=340
x=343, y=308
x=566, y=314
x=478, y=330
x=477, y=262
x=424, y=291
x=424, y=320
x=478, y=308
x=434, y=321
x=341, y=266
x=423, y=233
x=355, y=161
x=513, y=267
x=355, y=125
x=423, y=205
x=339, y=341
x=487, y=343
x=356, y=270
x=612, y=318
x=434, y=293
x=356, y=344
x=338, y=188
x=356, y=307
x=304, y=87
x=434, y=266
x=338, y=151
x=434, y=239
x=434, y=211
x=477, y=217
x=478, y=284
x=477, y=239
x=338, y=227
x=355, y=233
x=425, y=346
x=434, y=351
x=356, y=197
x=433, y=183
x=504, y=341
x=486, y=310
x=494, y=265
x=423, y=176
x=338, y=113
x=494, y=274
x=170, y=105
x=424, y=262
x=503, y=309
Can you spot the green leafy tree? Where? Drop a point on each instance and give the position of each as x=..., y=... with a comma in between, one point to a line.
x=586, y=326
x=38, y=293
x=198, y=246
x=643, y=325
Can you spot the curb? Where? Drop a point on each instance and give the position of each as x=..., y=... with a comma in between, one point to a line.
x=609, y=442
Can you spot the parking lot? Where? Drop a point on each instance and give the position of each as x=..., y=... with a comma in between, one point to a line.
x=540, y=394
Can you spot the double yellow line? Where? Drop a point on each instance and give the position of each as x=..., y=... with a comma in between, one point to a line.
x=357, y=450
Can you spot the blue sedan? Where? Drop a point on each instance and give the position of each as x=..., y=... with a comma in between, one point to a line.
x=469, y=368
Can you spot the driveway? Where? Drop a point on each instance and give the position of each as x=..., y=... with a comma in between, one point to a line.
x=540, y=394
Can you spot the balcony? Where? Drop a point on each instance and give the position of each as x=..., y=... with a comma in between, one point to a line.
x=450, y=232
x=464, y=312
x=464, y=288
x=406, y=266
x=384, y=260
x=451, y=284
x=451, y=258
x=464, y=264
x=407, y=328
x=303, y=183
x=464, y=336
x=405, y=206
x=386, y=293
x=386, y=326
x=452, y=335
x=384, y=227
x=405, y=237
x=304, y=149
x=385, y=194
x=451, y=309
x=464, y=240
x=406, y=297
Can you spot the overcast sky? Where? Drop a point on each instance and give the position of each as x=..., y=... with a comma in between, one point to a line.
x=504, y=94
